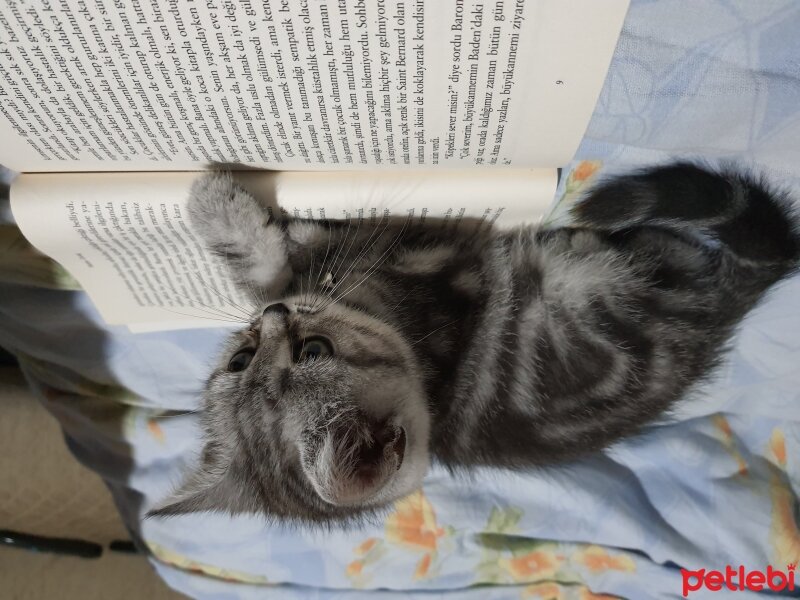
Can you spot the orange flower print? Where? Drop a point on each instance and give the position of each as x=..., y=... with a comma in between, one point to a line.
x=784, y=533
x=155, y=430
x=544, y=591
x=585, y=170
x=366, y=546
x=532, y=566
x=423, y=566
x=728, y=441
x=413, y=524
x=596, y=559
x=587, y=594
x=354, y=568
x=777, y=446
x=170, y=557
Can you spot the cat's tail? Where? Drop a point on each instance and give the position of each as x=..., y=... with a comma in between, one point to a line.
x=758, y=225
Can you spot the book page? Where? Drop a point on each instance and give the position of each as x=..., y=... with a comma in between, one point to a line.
x=126, y=237
x=143, y=85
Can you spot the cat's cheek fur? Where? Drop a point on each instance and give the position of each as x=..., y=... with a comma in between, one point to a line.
x=416, y=420
x=413, y=414
x=330, y=478
x=416, y=461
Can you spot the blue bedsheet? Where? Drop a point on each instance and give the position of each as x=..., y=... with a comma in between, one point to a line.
x=715, y=483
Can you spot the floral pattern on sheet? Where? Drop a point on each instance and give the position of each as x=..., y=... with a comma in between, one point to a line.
x=176, y=560
x=411, y=529
x=415, y=543
x=784, y=532
x=508, y=557
x=577, y=180
x=556, y=591
x=729, y=442
x=597, y=559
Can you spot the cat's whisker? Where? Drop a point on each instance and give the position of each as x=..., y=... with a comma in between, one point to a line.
x=216, y=313
x=303, y=291
x=398, y=196
x=338, y=260
x=201, y=317
x=231, y=270
x=249, y=287
x=212, y=289
x=425, y=337
x=258, y=295
x=362, y=253
x=395, y=307
x=196, y=305
x=312, y=287
x=377, y=264
x=342, y=243
x=324, y=261
x=305, y=281
x=206, y=306
x=368, y=272
x=335, y=275
x=228, y=311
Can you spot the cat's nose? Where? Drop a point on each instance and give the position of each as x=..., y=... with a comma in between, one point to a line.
x=278, y=308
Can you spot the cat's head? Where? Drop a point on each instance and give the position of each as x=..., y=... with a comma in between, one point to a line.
x=311, y=415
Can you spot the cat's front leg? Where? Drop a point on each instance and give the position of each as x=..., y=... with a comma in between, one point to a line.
x=235, y=227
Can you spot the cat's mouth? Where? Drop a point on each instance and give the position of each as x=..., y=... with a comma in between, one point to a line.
x=369, y=455
x=355, y=464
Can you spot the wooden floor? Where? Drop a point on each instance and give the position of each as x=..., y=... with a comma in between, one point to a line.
x=46, y=492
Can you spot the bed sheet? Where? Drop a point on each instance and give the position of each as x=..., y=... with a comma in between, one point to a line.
x=713, y=484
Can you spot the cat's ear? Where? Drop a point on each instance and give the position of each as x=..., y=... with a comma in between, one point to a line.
x=211, y=489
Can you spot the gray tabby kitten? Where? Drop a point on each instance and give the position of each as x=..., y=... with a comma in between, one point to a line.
x=376, y=349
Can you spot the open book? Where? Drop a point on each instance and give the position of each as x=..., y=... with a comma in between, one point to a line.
x=347, y=107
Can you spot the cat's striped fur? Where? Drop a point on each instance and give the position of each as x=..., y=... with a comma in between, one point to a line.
x=500, y=348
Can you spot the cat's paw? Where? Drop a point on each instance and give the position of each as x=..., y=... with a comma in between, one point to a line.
x=234, y=226
x=220, y=210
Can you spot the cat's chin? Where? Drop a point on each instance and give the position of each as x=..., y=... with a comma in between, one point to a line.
x=371, y=471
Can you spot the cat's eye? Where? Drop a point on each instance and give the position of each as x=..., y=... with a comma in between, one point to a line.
x=314, y=348
x=241, y=360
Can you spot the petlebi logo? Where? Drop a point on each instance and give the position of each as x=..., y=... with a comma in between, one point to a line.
x=739, y=579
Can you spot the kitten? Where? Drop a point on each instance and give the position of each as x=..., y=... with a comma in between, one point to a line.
x=381, y=348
